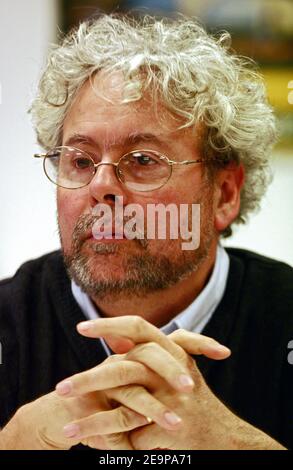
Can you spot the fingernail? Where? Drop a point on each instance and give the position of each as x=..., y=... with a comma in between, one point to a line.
x=71, y=430
x=84, y=325
x=172, y=418
x=222, y=348
x=186, y=381
x=64, y=387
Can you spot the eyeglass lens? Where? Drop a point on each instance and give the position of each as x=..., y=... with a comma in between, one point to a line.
x=139, y=170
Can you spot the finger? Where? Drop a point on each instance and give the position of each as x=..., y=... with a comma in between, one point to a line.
x=119, y=420
x=134, y=328
x=141, y=401
x=113, y=374
x=116, y=441
x=194, y=343
x=156, y=358
x=151, y=437
x=118, y=344
x=138, y=330
x=95, y=442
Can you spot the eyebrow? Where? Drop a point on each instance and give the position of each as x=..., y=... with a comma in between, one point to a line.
x=131, y=139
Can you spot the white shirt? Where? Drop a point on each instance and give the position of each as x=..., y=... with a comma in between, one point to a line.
x=195, y=317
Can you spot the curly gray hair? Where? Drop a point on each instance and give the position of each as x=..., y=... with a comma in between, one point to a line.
x=195, y=74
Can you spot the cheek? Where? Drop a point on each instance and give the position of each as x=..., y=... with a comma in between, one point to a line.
x=176, y=195
x=165, y=196
x=69, y=206
x=170, y=195
x=183, y=190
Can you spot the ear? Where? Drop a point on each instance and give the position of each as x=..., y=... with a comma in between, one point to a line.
x=229, y=182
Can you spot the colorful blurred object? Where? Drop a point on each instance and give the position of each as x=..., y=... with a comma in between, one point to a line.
x=260, y=29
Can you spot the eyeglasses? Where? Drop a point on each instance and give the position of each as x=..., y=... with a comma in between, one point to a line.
x=138, y=170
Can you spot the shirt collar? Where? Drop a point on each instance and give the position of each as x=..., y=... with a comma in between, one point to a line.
x=198, y=313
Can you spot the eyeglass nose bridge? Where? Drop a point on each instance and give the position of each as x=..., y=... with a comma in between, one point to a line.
x=96, y=166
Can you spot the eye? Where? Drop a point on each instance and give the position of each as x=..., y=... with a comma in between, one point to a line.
x=145, y=160
x=82, y=163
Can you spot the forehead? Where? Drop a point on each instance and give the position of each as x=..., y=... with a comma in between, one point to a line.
x=100, y=100
x=99, y=112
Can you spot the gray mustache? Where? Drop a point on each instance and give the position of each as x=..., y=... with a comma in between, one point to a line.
x=87, y=222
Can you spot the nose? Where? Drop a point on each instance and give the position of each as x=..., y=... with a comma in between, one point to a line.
x=105, y=185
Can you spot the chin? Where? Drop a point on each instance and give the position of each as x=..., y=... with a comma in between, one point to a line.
x=104, y=269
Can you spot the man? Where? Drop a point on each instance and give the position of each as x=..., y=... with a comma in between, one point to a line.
x=183, y=349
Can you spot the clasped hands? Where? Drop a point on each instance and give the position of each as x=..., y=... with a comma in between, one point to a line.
x=151, y=379
x=148, y=395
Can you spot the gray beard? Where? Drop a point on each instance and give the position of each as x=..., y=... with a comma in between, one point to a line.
x=144, y=273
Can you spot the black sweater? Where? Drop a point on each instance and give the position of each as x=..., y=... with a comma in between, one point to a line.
x=40, y=345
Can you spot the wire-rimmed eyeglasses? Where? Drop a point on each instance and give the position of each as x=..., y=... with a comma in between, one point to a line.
x=138, y=170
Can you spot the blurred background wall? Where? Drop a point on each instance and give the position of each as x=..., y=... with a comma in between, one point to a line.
x=27, y=209
x=262, y=29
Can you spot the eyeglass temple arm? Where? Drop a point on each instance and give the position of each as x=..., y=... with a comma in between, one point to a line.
x=200, y=160
x=187, y=162
x=39, y=155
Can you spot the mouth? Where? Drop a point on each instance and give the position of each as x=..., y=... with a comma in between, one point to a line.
x=107, y=235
